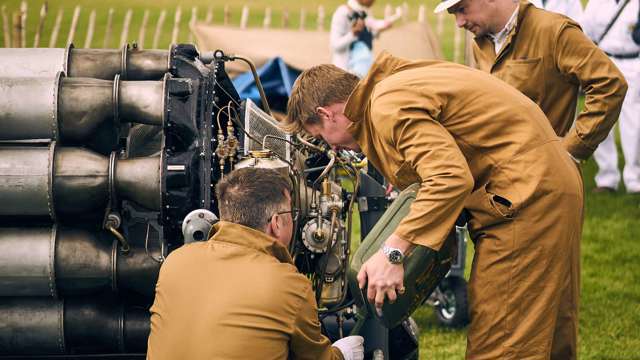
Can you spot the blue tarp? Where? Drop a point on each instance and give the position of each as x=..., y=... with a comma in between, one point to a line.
x=277, y=79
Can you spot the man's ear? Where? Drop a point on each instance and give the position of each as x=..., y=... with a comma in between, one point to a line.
x=324, y=114
x=270, y=228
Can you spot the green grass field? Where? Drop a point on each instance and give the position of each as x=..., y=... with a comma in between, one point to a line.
x=610, y=307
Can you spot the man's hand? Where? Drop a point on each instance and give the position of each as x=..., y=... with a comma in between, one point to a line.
x=351, y=347
x=383, y=279
x=357, y=27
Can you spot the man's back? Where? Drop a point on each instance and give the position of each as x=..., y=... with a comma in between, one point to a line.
x=236, y=296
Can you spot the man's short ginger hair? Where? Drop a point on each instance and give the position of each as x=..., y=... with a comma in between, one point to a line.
x=321, y=85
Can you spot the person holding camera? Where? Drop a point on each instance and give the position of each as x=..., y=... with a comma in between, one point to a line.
x=353, y=28
x=615, y=26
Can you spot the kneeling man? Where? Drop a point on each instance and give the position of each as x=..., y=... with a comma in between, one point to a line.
x=238, y=295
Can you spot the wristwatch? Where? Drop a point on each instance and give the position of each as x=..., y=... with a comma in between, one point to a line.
x=394, y=255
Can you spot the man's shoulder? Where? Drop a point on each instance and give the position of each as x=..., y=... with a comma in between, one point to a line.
x=541, y=21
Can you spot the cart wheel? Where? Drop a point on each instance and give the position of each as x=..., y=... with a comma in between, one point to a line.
x=453, y=310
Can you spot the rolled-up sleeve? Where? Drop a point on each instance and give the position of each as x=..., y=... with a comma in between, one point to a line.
x=432, y=153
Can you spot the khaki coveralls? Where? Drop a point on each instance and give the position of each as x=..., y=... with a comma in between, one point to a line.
x=236, y=296
x=548, y=58
x=475, y=142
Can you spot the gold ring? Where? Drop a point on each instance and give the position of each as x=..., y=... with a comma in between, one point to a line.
x=401, y=290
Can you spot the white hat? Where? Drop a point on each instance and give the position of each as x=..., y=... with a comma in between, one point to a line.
x=445, y=4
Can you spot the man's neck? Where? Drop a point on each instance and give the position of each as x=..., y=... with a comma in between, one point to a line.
x=503, y=15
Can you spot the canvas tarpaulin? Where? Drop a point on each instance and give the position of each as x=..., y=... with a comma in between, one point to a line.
x=303, y=49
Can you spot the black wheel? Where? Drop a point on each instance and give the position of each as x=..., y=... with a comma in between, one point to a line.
x=452, y=308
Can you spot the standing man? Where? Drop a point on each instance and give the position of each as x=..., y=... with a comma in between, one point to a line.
x=238, y=295
x=472, y=142
x=619, y=44
x=548, y=58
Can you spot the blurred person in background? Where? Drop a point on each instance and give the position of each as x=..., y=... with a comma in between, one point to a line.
x=615, y=27
x=353, y=28
x=238, y=295
x=570, y=8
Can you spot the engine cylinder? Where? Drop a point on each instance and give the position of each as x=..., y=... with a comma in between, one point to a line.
x=47, y=261
x=131, y=64
x=45, y=181
x=74, y=325
x=76, y=110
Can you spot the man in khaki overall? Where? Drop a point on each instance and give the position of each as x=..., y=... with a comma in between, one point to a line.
x=548, y=58
x=238, y=295
x=473, y=142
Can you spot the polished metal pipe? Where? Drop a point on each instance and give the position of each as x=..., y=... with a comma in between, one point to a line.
x=51, y=261
x=38, y=326
x=32, y=326
x=130, y=63
x=75, y=110
x=45, y=181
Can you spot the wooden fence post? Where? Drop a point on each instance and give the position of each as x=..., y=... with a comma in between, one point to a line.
x=192, y=23
x=143, y=29
x=56, y=29
x=405, y=12
x=176, y=26
x=440, y=25
x=159, y=25
x=320, y=22
x=108, y=30
x=226, y=15
x=74, y=25
x=17, y=29
x=43, y=16
x=388, y=11
x=303, y=18
x=285, y=18
x=124, y=35
x=6, y=27
x=23, y=24
x=244, y=19
x=209, y=18
x=457, y=39
x=6, y=32
x=266, y=23
x=422, y=14
x=90, y=29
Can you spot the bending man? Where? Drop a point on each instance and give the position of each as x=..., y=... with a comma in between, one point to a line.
x=473, y=142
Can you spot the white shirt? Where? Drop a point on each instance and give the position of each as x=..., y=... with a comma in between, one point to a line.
x=500, y=38
x=569, y=8
x=597, y=16
x=341, y=36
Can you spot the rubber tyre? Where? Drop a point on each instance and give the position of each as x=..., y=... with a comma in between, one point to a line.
x=455, y=312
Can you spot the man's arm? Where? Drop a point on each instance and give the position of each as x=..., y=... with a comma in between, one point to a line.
x=580, y=60
x=307, y=342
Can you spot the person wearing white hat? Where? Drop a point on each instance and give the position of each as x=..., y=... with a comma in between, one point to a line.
x=548, y=58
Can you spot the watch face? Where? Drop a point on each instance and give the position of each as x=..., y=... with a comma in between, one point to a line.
x=395, y=256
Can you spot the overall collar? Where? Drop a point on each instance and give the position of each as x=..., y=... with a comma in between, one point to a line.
x=485, y=43
x=240, y=235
